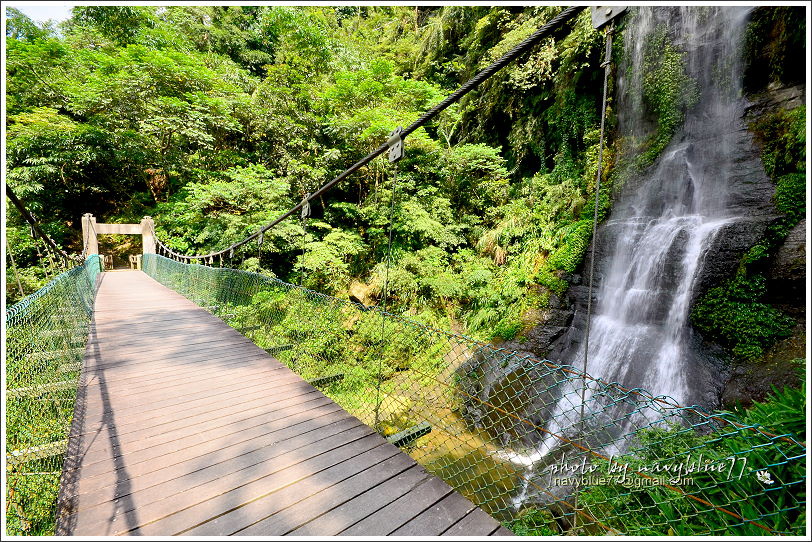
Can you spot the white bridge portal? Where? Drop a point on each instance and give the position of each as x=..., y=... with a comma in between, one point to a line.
x=91, y=229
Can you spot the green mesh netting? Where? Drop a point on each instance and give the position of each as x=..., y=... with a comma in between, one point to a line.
x=46, y=333
x=511, y=432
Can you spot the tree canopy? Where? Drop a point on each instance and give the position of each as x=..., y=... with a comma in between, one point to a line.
x=215, y=119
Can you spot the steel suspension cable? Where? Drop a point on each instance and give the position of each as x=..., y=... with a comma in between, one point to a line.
x=554, y=24
x=387, y=263
x=34, y=224
x=606, y=69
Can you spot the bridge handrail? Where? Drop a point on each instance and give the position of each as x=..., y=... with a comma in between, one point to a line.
x=323, y=337
x=46, y=334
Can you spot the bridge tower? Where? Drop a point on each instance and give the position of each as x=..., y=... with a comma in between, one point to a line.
x=91, y=229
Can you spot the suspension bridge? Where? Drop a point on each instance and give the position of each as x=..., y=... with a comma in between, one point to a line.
x=193, y=398
x=187, y=427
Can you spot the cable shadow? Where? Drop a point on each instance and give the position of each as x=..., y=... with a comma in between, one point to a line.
x=68, y=500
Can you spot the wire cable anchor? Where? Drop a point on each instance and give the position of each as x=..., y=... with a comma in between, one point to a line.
x=395, y=144
x=306, y=206
x=604, y=14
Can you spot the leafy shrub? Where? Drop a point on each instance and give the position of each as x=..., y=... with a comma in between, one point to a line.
x=735, y=314
x=534, y=522
x=571, y=252
x=790, y=198
x=507, y=330
x=653, y=510
x=783, y=139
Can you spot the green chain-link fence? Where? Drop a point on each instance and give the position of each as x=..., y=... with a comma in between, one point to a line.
x=511, y=432
x=46, y=333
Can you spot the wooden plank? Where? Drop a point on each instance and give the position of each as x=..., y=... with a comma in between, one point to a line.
x=178, y=388
x=123, y=336
x=163, y=367
x=338, y=485
x=143, y=443
x=126, y=229
x=204, y=419
x=398, y=512
x=198, y=445
x=125, y=360
x=242, y=384
x=156, y=418
x=196, y=497
x=186, y=427
x=207, y=464
x=182, y=344
x=364, y=505
x=129, y=506
x=200, y=376
x=155, y=414
x=440, y=517
x=255, y=505
x=476, y=523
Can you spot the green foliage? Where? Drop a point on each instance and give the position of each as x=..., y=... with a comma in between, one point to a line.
x=20, y=27
x=783, y=138
x=576, y=241
x=210, y=213
x=33, y=265
x=507, y=330
x=120, y=24
x=667, y=91
x=326, y=265
x=790, y=197
x=44, y=336
x=735, y=315
x=782, y=411
x=35, y=496
x=534, y=522
x=476, y=178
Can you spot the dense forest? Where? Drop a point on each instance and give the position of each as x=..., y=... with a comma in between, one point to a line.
x=213, y=120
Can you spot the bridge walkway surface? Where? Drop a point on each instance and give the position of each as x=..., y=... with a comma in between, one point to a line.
x=184, y=426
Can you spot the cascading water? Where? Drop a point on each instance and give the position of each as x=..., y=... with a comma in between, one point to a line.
x=664, y=225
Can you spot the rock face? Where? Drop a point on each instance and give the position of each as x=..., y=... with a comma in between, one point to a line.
x=775, y=99
x=754, y=382
x=787, y=273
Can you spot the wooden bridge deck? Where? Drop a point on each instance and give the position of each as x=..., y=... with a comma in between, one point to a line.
x=184, y=426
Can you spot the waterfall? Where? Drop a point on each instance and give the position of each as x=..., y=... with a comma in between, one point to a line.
x=663, y=225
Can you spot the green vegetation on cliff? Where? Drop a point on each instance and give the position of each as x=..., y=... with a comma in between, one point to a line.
x=737, y=313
